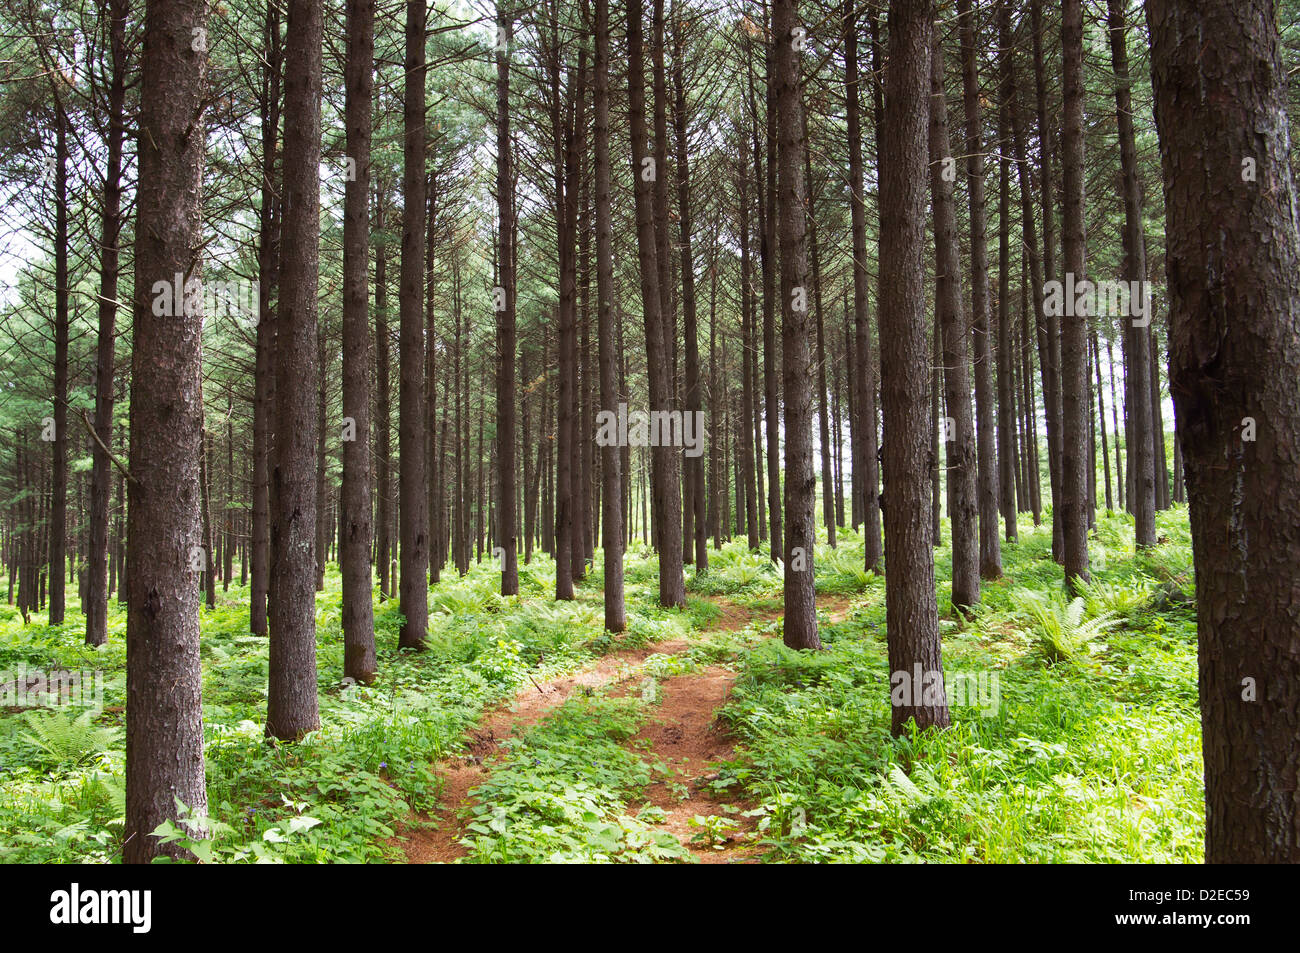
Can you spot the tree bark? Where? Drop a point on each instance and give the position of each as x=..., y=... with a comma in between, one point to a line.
x=506, y=333
x=413, y=527
x=1233, y=247
x=963, y=510
x=1074, y=351
x=354, y=499
x=164, y=715
x=797, y=330
x=987, y=477
x=912, y=618
x=105, y=358
x=291, y=700
x=610, y=453
x=665, y=480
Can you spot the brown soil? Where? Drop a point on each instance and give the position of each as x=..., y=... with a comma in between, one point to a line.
x=681, y=731
x=684, y=734
x=462, y=773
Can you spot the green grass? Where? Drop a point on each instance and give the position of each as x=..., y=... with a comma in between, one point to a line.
x=1088, y=751
x=340, y=794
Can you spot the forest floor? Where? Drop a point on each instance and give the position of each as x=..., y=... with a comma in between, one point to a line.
x=683, y=733
x=525, y=732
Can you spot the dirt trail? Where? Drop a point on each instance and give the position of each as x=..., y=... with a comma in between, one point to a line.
x=680, y=731
x=684, y=733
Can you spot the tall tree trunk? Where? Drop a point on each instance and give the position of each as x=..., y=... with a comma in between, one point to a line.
x=1074, y=351
x=610, y=452
x=1005, y=356
x=747, y=397
x=354, y=496
x=164, y=715
x=665, y=481
x=912, y=617
x=1049, y=333
x=383, y=415
x=506, y=315
x=797, y=330
x=1135, y=339
x=1234, y=280
x=963, y=509
x=767, y=219
x=58, y=526
x=292, y=709
x=110, y=234
x=865, y=452
x=693, y=465
x=412, y=410
x=987, y=477
x=268, y=267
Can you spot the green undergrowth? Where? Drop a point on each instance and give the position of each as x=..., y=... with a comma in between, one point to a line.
x=343, y=792
x=1086, y=748
x=563, y=793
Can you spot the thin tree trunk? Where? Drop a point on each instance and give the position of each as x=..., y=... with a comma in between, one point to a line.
x=959, y=453
x=1074, y=351
x=98, y=582
x=610, y=452
x=506, y=333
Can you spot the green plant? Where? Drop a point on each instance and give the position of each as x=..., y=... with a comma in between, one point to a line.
x=65, y=741
x=1060, y=627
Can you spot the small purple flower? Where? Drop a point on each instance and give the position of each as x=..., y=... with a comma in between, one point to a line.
x=383, y=764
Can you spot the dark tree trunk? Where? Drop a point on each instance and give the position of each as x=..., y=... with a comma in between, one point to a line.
x=767, y=221
x=1234, y=280
x=506, y=316
x=58, y=527
x=291, y=700
x=959, y=453
x=1049, y=333
x=383, y=415
x=413, y=527
x=987, y=477
x=354, y=496
x=1136, y=341
x=1006, y=354
x=610, y=453
x=665, y=480
x=1074, y=351
x=693, y=465
x=268, y=267
x=164, y=715
x=747, y=383
x=797, y=330
x=912, y=617
x=864, y=454
x=110, y=233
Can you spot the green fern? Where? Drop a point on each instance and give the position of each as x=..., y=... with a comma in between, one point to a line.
x=66, y=741
x=1113, y=598
x=1060, y=627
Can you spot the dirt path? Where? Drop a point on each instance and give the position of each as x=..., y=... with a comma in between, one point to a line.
x=681, y=731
